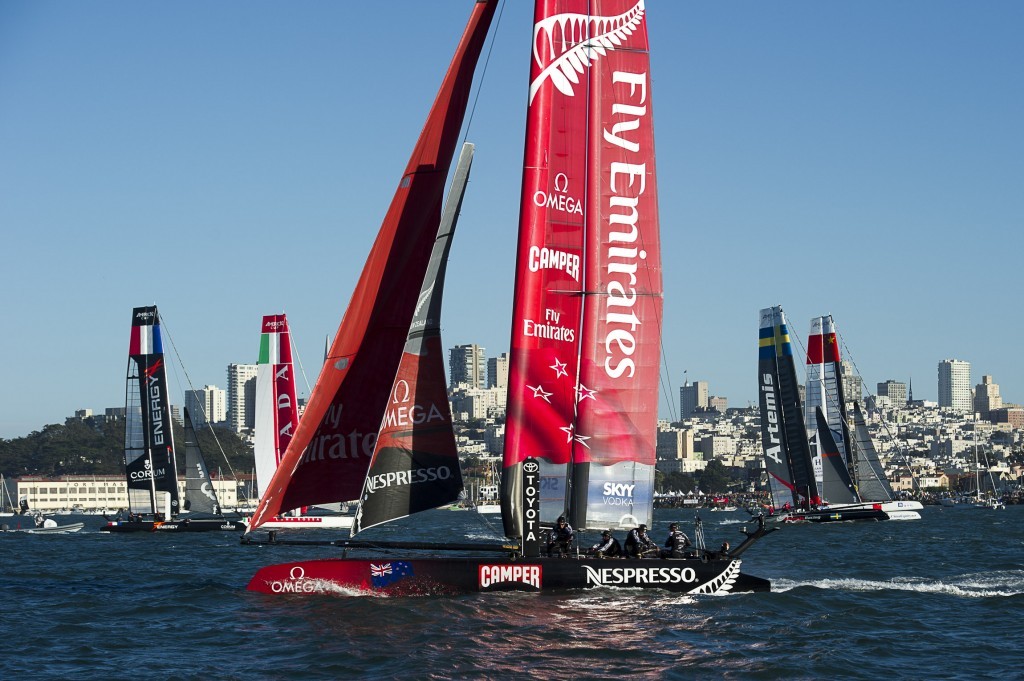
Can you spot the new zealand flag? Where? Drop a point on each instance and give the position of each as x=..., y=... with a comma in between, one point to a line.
x=384, y=574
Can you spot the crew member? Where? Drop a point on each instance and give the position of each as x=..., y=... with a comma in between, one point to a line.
x=608, y=547
x=561, y=537
x=676, y=542
x=638, y=544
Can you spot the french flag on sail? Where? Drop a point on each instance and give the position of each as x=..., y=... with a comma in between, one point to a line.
x=145, y=340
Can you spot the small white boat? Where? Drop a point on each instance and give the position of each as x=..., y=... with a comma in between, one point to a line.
x=48, y=526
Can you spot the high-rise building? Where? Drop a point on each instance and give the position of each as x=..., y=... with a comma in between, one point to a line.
x=692, y=396
x=986, y=397
x=467, y=366
x=497, y=371
x=242, y=397
x=853, y=384
x=896, y=391
x=207, y=405
x=955, y=385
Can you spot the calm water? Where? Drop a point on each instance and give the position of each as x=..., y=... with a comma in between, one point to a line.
x=940, y=598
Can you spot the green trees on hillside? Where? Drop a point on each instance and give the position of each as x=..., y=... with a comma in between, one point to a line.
x=94, y=446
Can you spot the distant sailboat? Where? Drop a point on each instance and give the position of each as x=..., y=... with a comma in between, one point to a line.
x=277, y=419
x=811, y=467
x=154, y=499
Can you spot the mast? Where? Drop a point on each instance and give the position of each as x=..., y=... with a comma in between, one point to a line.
x=587, y=301
x=328, y=458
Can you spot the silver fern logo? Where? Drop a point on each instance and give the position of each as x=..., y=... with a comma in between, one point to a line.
x=582, y=40
x=723, y=583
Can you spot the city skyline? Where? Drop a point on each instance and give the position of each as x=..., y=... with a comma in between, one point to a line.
x=254, y=153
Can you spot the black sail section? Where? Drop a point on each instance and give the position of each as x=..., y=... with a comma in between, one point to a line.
x=836, y=485
x=783, y=435
x=415, y=464
x=200, y=496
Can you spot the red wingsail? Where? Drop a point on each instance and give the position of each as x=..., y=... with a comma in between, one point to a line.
x=327, y=459
x=583, y=374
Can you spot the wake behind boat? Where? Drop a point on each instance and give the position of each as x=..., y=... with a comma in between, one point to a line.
x=583, y=376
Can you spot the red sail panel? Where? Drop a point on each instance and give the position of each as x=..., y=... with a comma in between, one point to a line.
x=547, y=299
x=328, y=458
x=619, y=368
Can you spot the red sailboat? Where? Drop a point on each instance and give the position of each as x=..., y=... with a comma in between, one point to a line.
x=585, y=339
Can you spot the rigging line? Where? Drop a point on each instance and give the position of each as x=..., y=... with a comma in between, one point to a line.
x=298, y=359
x=483, y=71
x=883, y=422
x=202, y=407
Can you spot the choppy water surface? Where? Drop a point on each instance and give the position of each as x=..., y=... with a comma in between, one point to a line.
x=939, y=598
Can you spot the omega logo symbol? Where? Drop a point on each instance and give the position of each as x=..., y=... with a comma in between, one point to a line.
x=401, y=392
x=297, y=572
x=560, y=200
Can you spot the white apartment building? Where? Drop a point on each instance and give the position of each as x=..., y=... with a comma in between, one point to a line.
x=955, y=385
x=206, y=405
x=242, y=397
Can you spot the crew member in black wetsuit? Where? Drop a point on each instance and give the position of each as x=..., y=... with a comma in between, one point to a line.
x=561, y=537
x=608, y=547
x=638, y=544
x=675, y=544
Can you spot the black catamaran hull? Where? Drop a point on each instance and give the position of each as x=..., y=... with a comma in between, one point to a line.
x=446, y=576
x=889, y=510
x=197, y=525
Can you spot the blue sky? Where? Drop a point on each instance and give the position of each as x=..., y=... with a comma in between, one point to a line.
x=233, y=159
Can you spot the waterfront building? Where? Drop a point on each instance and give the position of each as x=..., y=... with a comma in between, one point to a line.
x=97, y=492
x=467, y=366
x=955, y=385
x=242, y=397
x=206, y=405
